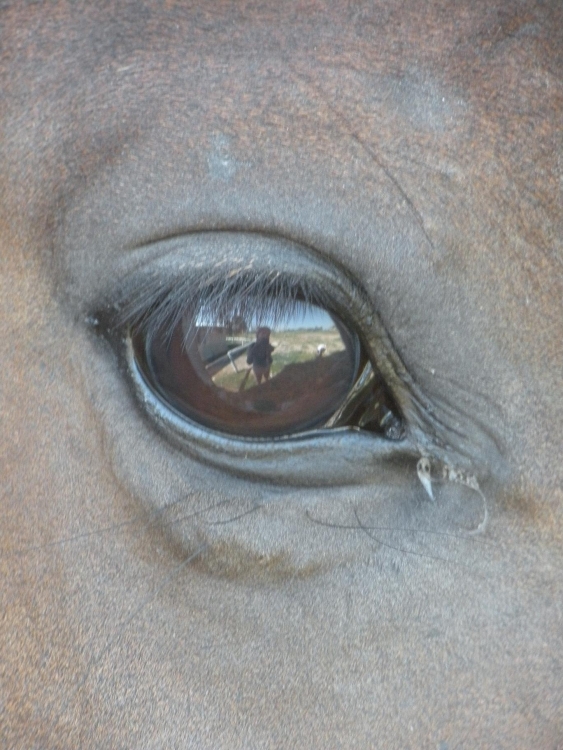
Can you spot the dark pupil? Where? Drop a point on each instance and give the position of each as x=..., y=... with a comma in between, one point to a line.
x=269, y=379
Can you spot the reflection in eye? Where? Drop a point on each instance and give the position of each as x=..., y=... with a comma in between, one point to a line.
x=262, y=367
x=260, y=381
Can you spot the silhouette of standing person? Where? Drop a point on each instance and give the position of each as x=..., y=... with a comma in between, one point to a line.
x=260, y=355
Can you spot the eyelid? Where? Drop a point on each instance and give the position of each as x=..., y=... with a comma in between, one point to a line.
x=188, y=259
x=179, y=266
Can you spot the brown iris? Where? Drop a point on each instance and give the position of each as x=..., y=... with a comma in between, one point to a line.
x=271, y=379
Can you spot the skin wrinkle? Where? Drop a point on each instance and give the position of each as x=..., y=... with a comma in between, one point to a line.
x=353, y=135
x=284, y=632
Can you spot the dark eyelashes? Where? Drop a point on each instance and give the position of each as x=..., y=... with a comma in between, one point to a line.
x=219, y=296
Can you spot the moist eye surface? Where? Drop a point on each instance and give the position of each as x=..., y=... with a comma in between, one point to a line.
x=261, y=376
x=260, y=356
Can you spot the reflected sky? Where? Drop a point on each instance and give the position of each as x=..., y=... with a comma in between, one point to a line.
x=305, y=316
x=310, y=318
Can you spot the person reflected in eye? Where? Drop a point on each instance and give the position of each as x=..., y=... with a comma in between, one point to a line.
x=260, y=355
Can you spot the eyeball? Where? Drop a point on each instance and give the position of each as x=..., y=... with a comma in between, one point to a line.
x=270, y=378
x=257, y=355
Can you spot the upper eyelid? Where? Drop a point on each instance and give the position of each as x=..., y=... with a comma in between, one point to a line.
x=229, y=250
x=241, y=290
x=175, y=268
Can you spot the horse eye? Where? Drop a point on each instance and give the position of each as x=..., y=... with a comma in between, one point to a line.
x=265, y=377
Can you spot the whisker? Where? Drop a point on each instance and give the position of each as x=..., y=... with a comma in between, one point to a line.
x=438, y=558
x=152, y=520
x=114, y=528
x=195, y=513
x=236, y=518
x=465, y=537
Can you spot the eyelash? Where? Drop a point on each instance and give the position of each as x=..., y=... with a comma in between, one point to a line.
x=219, y=295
